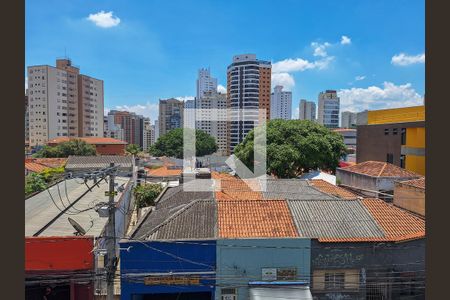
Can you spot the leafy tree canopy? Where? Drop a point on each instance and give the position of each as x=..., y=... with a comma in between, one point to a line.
x=65, y=149
x=295, y=147
x=132, y=149
x=146, y=194
x=171, y=144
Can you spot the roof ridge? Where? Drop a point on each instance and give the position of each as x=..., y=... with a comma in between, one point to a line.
x=382, y=169
x=176, y=214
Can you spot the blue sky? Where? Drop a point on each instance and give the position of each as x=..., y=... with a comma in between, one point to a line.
x=372, y=52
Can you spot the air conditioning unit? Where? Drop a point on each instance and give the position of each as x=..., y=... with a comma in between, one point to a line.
x=228, y=294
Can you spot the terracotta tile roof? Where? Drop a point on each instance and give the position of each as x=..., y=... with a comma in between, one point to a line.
x=418, y=183
x=35, y=167
x=51, y=162
x=234, y=188
x=379, y=169
x=397, y=224
x=331, y=189
x=90, y=140
x=247, y=218
x=163, y=171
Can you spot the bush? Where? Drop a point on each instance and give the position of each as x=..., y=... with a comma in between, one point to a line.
x=146, y=194
x=34, y=182
x=65, y=149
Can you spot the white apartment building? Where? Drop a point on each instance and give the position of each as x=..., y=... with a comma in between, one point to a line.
x=348, y=119
x=205, y=82
x=61, y=102
x=329, y=107
x=307, y=110
x=280, y=104
x=148, y=133
x=113, y=130
x=156, y=127
x=211, y=118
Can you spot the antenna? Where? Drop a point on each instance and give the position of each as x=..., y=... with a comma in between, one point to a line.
x=79, y=230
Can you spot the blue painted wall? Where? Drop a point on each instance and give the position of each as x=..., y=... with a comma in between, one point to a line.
x=158, y=257
x=240, y=261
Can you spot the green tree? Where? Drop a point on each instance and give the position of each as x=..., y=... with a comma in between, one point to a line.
x=52, y=174
x=34, y=182
x=132, y=149
x=295, y=147
x=146, y=194
x=171, y=144
x=65, y=149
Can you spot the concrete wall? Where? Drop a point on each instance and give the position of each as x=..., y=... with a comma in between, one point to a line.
x=410, y=198
x=356, y=180
x=388, y=264
x=241, y=261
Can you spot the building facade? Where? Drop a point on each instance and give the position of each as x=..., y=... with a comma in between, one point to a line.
x=205, y=83
x=148, y=135
x=349, y=136
x=329, y=107
x=280, y=104
x=348, y=119
x=307, y=110
x=248, y=87
x=27, y=120
x=171, y=115
x=62, y=102
x=113, y=130
x=130, y=125
x=212, y=119
x=393, y=135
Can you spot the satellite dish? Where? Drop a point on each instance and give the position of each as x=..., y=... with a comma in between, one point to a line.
x=79, y=230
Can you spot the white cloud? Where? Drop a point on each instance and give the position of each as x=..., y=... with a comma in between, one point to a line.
x=149, y=110
x=284, y=79
x=403, y=59
x=299, y=65
x=359, y=78
x=185, y=98
x=26, y=83
x=374, y=97
x=104, y=19
x=296, y=113
x=320, y=49
x=221, y=89
x=345, y=40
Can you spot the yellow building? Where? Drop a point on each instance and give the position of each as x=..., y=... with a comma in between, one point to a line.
x=393, y=135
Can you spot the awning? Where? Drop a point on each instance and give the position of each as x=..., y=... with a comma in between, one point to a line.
x=291, y=291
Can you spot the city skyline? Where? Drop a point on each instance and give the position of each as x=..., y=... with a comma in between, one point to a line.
x=377, y=65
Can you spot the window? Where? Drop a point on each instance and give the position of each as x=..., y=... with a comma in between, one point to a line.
x=390, y=158
x=386, y=131
x=394, y=131
x=403, y=136
x=334, y=281
x=228, y=294
x=402, y=161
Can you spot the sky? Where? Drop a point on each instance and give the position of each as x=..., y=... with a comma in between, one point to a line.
x=371, y=52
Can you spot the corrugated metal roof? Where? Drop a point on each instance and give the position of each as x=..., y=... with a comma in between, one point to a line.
x=293, y=189
x=98, y=162
x=173, y=200
x=333, y=219
x=197, y=220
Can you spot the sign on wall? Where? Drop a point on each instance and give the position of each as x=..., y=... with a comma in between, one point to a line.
x=272, y=274
x=171, y=280
x=269, y=274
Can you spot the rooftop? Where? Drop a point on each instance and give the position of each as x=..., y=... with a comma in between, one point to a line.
x=379, y=169
x=246, y=219
x=40, y=164
x=89, y=140
x=98, y=162
x=331, y=189
x=42, y=208
x=417, y=183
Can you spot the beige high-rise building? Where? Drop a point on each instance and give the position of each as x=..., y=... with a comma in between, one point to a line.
x=63, y=103
x=329, y=108
x=212, y=116
x=248, y=87
x=171, y=115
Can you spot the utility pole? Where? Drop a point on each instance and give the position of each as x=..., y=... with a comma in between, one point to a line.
x=111, y=239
